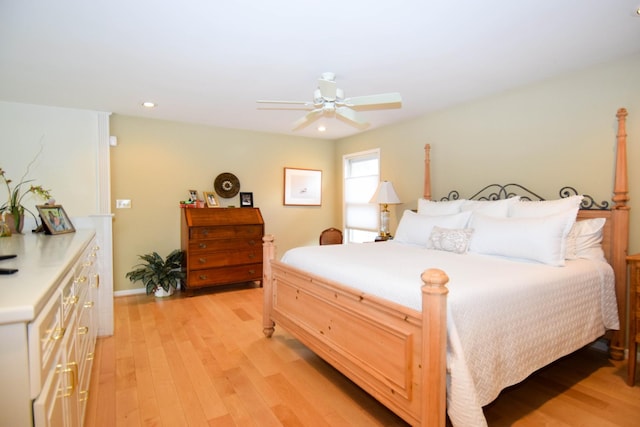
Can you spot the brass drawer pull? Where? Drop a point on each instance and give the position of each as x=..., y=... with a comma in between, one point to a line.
x=203, y=277
x=83, y=330
x=57, y=334
x=202, y=245
x=88, y=304
x=252, y=255
x=202, y=260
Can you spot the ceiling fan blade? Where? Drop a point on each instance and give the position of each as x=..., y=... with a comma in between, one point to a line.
x=307, y=119
x=327, y=89
x=351, y=117
x=372, y=102
x=263, y=101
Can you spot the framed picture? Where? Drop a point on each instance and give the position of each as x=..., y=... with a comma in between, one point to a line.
x=302, y=187
x=55, y=219
x=246, y=200
x=211, y=199
x=193, y=195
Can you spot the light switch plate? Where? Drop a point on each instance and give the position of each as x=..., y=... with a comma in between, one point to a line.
x=123, y=204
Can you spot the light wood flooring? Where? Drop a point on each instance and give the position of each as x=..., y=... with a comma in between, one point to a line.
x=203, y=361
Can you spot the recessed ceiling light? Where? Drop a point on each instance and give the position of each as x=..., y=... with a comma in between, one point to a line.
x=148, y=104
x=322, y=128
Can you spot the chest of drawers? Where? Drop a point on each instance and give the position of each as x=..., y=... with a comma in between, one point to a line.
x=222, y=246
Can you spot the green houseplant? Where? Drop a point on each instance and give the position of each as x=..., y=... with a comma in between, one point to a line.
x=17, y=193
x=158, y=273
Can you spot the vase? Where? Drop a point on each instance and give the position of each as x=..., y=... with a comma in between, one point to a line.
x=161, y=293
x=9, y=219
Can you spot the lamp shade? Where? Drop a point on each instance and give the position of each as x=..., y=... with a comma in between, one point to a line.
x=385, y=194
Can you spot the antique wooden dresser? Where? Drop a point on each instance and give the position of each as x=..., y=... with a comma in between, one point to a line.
x=222, y=246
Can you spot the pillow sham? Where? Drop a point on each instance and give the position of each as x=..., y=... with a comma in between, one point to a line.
x=532, y=209
x=540, y=239
x=450, y=239
x=416, y=229
x=585, y=239
x=496, y=208
x=447, y=207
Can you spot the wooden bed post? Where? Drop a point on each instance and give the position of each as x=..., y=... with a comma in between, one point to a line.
x=620, y=235
x=268, y=254
x=434, y=348
x=426, y=193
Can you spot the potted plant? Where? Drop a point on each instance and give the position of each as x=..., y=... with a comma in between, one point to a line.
x=13, y=210
x=159, y=276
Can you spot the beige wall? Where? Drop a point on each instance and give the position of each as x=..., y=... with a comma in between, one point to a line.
x=156, y=162
x=544, y=136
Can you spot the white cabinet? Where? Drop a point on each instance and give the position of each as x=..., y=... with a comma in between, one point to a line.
x=60, y=337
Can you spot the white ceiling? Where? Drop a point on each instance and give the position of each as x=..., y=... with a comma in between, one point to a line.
x=208, y=61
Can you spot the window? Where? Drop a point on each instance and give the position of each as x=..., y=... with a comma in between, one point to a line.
x=361, y=177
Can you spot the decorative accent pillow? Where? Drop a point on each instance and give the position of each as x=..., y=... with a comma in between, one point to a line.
x=496, y=208
x=416, y=229
x=585, y=239
x=447, y=207
x=450, y=239
x=537, y=239
x=532, y=209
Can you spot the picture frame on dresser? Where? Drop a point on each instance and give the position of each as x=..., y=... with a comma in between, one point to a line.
x=246, y=200
x=55, y=220
x=302, y=187
x=211, y=199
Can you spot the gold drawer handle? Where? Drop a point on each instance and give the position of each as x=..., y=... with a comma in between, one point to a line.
x=82, y=330
x=96, y=281
x=205, y=232
x=72, y=370
x=252, y=255
x=83, y=395
x=203, y=277
x=202, y=245
x=252, y=272
x=202, y=260
x=90, y=355
x=252, y=242
x=88, y=304
x=57, y=334
x=73, y=299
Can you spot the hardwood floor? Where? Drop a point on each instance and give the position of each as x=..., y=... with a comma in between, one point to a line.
x=203, y=361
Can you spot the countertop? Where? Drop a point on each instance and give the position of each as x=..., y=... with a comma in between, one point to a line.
x=42, y=262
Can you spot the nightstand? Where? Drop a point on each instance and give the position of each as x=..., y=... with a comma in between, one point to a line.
x=634, y=315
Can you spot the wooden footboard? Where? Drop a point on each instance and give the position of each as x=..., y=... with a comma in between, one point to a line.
x=396, y=354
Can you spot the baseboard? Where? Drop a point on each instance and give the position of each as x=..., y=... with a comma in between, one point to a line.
x=128, y=292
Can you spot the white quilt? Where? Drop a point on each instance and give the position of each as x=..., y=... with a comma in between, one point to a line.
x=505, y=319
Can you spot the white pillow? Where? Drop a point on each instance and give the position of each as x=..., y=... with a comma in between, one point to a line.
x=531, y=209
x=416, y=229
x=538, y=239
x=447, y=207
x=585, y=239
x=496, y=208
x=450, y=239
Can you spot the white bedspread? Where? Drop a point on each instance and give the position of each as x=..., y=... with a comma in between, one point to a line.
x=505, y=318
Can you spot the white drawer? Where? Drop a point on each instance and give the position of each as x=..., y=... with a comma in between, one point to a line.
x=45, y=335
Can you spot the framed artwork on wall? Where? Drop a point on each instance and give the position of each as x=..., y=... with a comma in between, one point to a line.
x=302, y=187
x=55, y=219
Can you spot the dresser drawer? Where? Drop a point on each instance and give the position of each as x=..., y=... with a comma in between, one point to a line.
x=223, y=259
x=227, y=231
x=45, y=335
x=219, y=276
x=225, y=245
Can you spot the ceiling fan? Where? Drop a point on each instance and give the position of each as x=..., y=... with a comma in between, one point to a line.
x=329, y=101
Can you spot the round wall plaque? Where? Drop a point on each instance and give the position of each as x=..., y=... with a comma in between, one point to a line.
x=226, y=185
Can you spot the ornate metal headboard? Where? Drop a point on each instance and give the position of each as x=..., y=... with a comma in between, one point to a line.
x=499, y=192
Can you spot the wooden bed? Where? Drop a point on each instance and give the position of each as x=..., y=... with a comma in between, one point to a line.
x=397, y=354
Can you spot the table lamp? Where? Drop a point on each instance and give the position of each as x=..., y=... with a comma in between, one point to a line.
x=385, y=195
